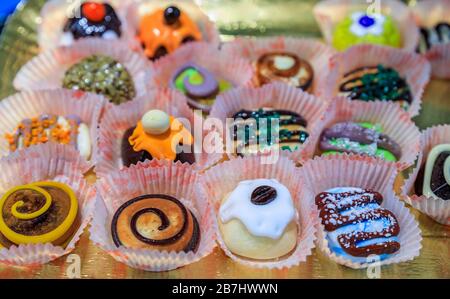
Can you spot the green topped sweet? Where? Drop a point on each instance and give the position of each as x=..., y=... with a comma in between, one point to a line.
x=360, y=28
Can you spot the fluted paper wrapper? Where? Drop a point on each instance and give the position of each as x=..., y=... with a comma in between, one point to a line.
x=324, y=173
x=224, y=178
x=428, y=14
x=231, y=68
x=329, y=13
x=47, y=162
x=47, y=70
x=311, y=50
x=278, y=96
x=137, y=9
x=436, y=208
x=55, y=13
x=396, y=123
x=158, y=177
x=413, y=67
x=30, y=104
x=117, y=119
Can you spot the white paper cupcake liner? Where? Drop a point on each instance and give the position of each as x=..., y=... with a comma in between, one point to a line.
x=413, y=67
x=324, y=173
x=396, y=123
x=428, y=13
x=231, y=68
x=329, y=13
x=436, y=208
x=55, y=13
x=117, y=119
x=47, y=162
x=46, y=71
x=311, y=50
x=26, y=105
x=158, y=177
x=224, y=178
x=278, y=96
x=139, y=8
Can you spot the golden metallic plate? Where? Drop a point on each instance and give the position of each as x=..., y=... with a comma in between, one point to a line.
x=257, y=17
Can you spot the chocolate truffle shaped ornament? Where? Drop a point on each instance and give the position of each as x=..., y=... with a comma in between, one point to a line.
x=92, y=19
x=164, y=30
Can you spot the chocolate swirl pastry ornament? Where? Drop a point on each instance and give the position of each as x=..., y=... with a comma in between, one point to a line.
x=199, y=85
x=356, y=226
x=253, y=130
x=436, y=35
x=157, y=222
x=284, y=67
x=257, y=220
x=41, y=212
x=434, y=178
x=92, y=20
x=359, y=138
x=371, y=83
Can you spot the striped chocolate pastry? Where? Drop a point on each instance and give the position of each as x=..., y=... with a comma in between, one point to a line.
x=359, y=138
x=434, y=178
x=373, y=83
x=439, y=34
x=355, y=224
x=284, y=67
x=253, y=130
x=155, y=221
x=42, y=212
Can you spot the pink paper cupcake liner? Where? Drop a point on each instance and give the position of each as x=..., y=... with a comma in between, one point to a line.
x=159, y=177
x=311, y=50
x=117, y=119
x=428, y=13
x=396, y=123
x=46, y=71
x=47, y=162
x=325, y=173
x=413, y=67
x=274, y=95
x=436, y=208
x=139, y=8
x=30, y=104
x=55, y=13
x=222, y=179
x=329, y=13
x=231, y=68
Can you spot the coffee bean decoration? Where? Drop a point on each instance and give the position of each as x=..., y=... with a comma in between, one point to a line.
x=263, y=195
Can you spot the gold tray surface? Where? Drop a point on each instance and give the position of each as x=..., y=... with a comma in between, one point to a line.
x=239, y=17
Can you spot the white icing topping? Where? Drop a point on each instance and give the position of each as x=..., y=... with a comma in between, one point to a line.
x=344, y=189
x=284, y=62
x=269, y=220
x=110, y=35
x=429, y=167
x=84, y=141
x=359, y=30
x=447, y=170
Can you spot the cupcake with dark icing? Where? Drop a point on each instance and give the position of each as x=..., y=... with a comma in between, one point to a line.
x=92, y=19
x=359, y=138
x=157, y=136
x=164, y=30
x=199, y=85
x=372, y=83
x=41, y=212
x=156, y=222
x=433, y=180
x=355, y=224
x=260, y=129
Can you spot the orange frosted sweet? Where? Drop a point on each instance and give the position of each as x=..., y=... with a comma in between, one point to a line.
x=161, y=146
x=161, y=32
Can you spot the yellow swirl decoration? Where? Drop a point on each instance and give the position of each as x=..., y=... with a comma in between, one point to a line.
x=48, y=237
